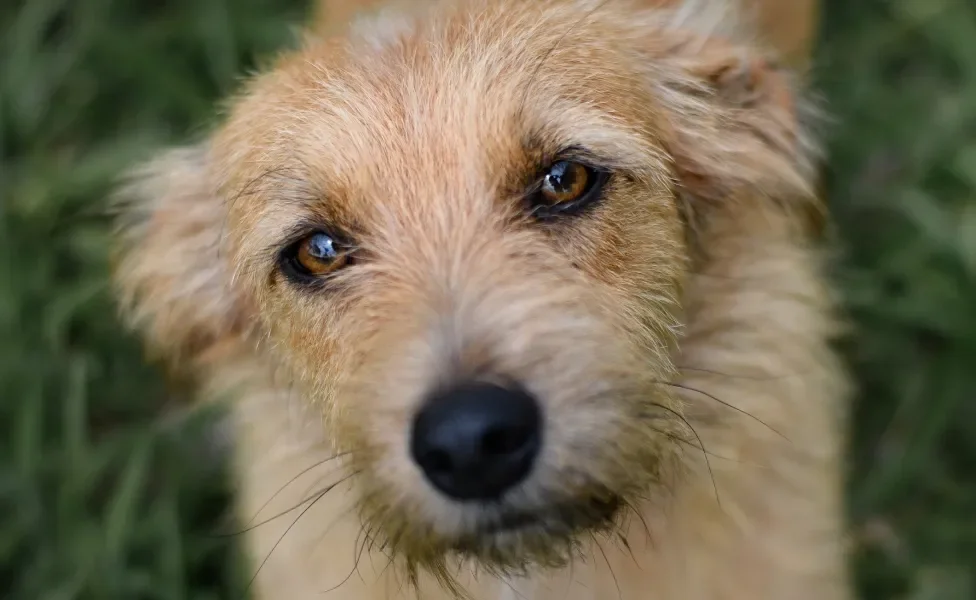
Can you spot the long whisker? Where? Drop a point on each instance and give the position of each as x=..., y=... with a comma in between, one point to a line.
x=689, y=443
x=746, y=377
x=389, y=561
x=357, y=555
x=609, y=566
x=723, y=403
x=293, y=480
x=647, y=529
x=513, y=588
x=313, y=498
x=630, y=551
x=705, y=453
x=293, y=523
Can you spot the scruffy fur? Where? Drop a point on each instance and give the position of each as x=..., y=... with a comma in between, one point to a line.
x=677, y=334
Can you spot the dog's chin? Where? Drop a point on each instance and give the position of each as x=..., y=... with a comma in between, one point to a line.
x=512, y=542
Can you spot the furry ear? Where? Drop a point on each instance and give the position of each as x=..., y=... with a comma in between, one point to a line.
x=735, y=120
x=172, y=283
x=789, y=26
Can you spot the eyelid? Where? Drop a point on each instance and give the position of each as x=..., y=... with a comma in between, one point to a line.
x=581, y=155
x=295, y=234
x=305, y=228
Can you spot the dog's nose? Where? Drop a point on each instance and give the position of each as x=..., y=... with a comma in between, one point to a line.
x=477, y=440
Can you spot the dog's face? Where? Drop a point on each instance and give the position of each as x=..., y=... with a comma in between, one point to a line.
x=464, y=236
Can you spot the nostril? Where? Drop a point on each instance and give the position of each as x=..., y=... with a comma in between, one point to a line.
x=477, y=440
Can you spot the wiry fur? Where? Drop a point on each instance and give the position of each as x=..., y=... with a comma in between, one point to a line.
x=677, y=334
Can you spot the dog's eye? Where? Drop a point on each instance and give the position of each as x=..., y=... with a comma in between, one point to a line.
x=315, y=256
x=566, y=181
x=566, y=187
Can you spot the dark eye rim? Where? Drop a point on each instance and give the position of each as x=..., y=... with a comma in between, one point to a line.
x=542, y=211
x=292, y=269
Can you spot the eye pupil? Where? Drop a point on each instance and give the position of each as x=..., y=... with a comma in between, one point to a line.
x=565, y=183
x=322, y=247
x=561, y=177
x=316, y=255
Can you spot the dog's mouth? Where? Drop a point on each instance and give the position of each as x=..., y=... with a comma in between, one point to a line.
x=552, y=524
x=568, y=517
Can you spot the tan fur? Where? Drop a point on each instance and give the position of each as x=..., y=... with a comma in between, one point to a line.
x=789, y=26
x=677, y=335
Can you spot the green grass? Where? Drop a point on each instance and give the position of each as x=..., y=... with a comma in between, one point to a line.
x=101, y=497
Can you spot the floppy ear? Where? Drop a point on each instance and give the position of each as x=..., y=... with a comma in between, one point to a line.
x=172, y=281
x=736, y=121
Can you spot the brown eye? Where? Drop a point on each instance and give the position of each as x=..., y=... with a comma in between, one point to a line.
x=565, y=182
x=315, y=256
x=566, y=187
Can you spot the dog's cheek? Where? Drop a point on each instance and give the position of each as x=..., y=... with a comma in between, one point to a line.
x=632, y=249
x=302, y=336
x=631, y=254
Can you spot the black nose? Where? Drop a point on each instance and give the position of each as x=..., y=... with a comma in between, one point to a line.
x=477, y=440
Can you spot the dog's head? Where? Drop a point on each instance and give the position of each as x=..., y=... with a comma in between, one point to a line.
x=464, y=234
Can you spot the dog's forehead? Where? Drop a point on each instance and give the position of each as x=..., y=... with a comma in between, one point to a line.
x=464, y=86
x=447, y=109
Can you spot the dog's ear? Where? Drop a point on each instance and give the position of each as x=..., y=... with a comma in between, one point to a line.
x=172, y=282
x=736, y=121
x=789, y=26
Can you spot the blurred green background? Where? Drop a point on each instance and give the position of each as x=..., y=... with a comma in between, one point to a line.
x=102, y=491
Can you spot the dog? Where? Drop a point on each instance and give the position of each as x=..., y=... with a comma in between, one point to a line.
x=512, y=299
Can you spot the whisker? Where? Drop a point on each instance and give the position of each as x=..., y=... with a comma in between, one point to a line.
x=346, y=578
x=372, y=537
x=293, y=480
x=357, y=556
x=630, y=551
x=689, y=443
x=282, y=537
x=633, y=509
x=572, y=572
x=372, y=542
x=313, y=498
x=705, y=453
x=513, y=588
x=389, y=561
x=609, y=566
x=746, y=377
x=723, y=403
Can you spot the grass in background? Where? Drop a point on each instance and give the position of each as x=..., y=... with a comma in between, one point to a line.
x=101, y=498
x=900, y=76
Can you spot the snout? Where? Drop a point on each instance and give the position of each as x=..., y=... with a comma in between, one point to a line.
x=477, y=440
x=499, y=404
